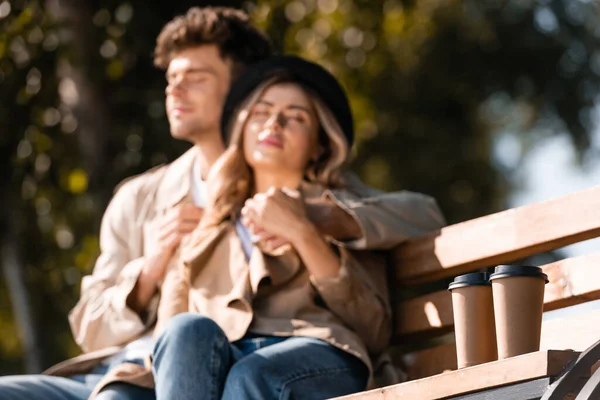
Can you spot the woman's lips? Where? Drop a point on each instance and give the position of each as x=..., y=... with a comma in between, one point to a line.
x=270, y=140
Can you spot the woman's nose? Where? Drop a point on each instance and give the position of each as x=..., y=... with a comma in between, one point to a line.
x=276, y=121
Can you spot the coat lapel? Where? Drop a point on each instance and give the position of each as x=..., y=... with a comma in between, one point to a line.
x=200, y=246
x=240, y=271
x=246, y=276
x=282, y=268
x=175, y=185
x=283, y=264
x=220, y=248
x=257, y=267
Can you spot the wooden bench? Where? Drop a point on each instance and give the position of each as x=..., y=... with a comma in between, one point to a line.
x=424, y=322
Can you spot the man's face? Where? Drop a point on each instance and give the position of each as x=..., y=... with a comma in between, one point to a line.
x=198, y=80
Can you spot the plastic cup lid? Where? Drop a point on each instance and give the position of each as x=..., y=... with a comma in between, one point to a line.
x=472, y=279
x=508, y=271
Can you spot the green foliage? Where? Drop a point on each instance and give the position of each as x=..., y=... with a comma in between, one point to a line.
x=431, y=84
x=60, y=81
x=30, y=142
x=425, y=79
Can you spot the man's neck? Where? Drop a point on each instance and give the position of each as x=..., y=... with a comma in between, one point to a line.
x=209, y=151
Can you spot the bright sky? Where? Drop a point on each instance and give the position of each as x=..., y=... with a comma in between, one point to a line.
x=550, y=170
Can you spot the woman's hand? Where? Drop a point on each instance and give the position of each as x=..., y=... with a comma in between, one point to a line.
x=277, y=216
x=281, y=212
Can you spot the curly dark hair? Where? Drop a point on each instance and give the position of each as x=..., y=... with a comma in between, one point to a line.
x=228, y=28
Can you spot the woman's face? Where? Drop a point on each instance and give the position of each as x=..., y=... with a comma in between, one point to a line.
x=281, y=132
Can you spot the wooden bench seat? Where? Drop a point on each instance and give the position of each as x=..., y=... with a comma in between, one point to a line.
x=424, y=266
x=527, y=367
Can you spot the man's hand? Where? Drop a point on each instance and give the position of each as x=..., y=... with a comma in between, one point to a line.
x=170, y=229
x=177, y=223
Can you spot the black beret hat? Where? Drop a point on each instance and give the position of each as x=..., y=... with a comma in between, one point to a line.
x=304, y=72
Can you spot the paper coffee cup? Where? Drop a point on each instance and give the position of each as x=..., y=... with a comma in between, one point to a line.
x=473, y=319
x=518, y=306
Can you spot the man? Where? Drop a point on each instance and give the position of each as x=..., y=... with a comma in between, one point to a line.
x=202, y=52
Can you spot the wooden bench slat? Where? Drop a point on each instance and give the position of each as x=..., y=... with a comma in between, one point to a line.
x=499, y=238
x=498, y=373
x=572, y=281
x=576, y=332
x=429, y=362
x=424, y=316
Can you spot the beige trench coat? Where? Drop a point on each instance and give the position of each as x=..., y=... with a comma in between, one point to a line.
x=101, y=321
x=273, y=295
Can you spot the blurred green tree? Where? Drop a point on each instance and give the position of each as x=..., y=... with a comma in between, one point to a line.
x=432, y=84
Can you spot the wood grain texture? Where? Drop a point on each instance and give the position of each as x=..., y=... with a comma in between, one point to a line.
x=572, y=281
x=495, y=374
x=499, y=238
x=574, y=332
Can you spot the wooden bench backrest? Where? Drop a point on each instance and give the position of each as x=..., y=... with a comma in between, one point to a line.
x=495, y=239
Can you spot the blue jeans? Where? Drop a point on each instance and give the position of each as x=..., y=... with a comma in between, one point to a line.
x=194, y=360
x=41, y=387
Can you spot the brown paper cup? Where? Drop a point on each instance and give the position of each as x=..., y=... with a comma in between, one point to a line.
x=518, y=305
x=473, y=320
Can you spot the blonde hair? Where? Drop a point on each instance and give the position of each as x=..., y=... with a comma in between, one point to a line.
x=230, y=181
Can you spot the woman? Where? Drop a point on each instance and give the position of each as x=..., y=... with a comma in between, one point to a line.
x=301, y=321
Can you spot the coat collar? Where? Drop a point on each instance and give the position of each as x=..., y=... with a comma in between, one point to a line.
x=176, y=183
x=280, y=266
x=280, y=269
